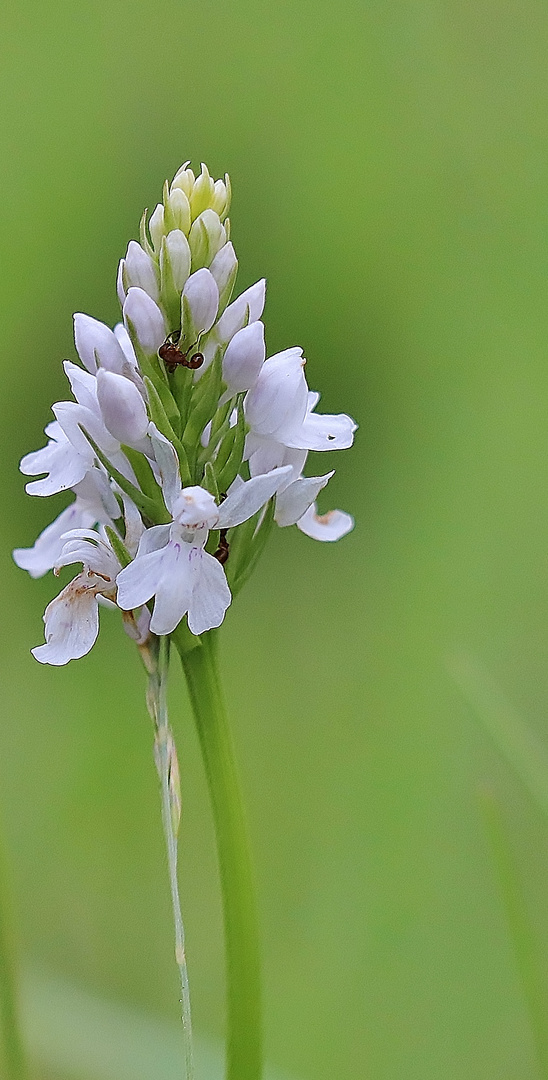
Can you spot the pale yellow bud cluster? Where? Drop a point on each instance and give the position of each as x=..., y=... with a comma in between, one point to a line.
x=197, y=207
x=187, y=232
x=202, y=192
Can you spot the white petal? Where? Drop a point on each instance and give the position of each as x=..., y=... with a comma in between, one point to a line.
x=247, y=499
x=223, y=268
x=175, y=588
x=156, y=226
x=323, y=432
x=88, y=547
x=168, y=464
x=71, y=624
x=122, y=407
x=73, y=418
x=138, y=582
x=292, y=503
x=247, y=307
x=244, y=358
x=330, y=526
x=202, y=295
x=120, y=289
x=95, y=494
x=124, y=341
x=277, y=402
x=153, y=539
x=140, y=270
x=210, y=593
x=96, y=342
x=146, y=318
x=47, y=548
x=82, y=384
x=64, y=465
x=134, y=525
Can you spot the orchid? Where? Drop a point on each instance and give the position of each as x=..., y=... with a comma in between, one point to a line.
x=182, y=445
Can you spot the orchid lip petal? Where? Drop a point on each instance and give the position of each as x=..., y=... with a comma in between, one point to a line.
x=211, y=595
x=326, y=527
x=321, y=431
x=174, y=591
x=71, y=624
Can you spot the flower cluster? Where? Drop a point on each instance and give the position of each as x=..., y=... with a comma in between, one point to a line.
x=183, y=443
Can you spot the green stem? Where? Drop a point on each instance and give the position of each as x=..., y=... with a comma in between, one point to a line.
x=12, y=1052
x=168, y=770
x=244, y=1044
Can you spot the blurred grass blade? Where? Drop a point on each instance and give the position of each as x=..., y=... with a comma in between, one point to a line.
x=512, y=737
x=77, y=1035
x=526, y=946
x=12, y=1055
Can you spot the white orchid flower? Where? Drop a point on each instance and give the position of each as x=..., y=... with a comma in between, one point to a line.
x=280, y=407
x=94, y=503
x=176, y=282
x=171, y=563
x=72, y=619
x=266, y=451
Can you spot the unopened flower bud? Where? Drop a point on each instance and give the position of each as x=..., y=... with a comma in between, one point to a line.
x=156, y=227
x=139, y=270
x=221, y=201
x=202, y=194
x=177, y=211
x=146, y=318
x=200, y=302
x=175, y=262
x=207, y=237
x=97, y=345
x=184, y=179
x=244, y=358
x=224, y=269
x=122, y=407
x=120, y=288
x=247, y=308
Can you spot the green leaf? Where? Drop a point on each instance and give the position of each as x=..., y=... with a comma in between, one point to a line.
x=247, y=543
x=229, y=471
x=209, y=481
x=118, y=546
x=204, y=404
x=182, y=385
x=158, y=415
x=141, y=468
x=156, y=512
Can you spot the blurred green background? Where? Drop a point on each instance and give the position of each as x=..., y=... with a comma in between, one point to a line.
x=389, y=166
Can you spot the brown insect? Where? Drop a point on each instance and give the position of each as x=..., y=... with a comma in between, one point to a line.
x=223, y=551
x=173, y=357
